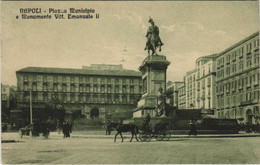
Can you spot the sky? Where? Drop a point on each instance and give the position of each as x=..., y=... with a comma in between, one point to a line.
x=188, y=30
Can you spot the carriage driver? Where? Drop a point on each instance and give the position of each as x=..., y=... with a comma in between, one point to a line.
x=147, y=119
x=153, y=29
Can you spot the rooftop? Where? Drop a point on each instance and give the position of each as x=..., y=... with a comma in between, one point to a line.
x=239, y=43
x=122, y=72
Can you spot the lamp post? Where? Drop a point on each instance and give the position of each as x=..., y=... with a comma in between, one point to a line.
x=31, y=106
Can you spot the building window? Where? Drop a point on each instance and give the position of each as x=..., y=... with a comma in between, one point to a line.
x=116, y=98
x=102, y=89
x=108, y=89
x=131, y=81
x=203, y=83
x=95, y=88
x=116, y=89
x=87, y=98
x=102, y=99
x=44, y=78
x=87, y=88
x=64, y=88
x=64, y=98
x=124, y=89
x=124, y=99
x=72, y=88
x=72, y=98
x=116, y=81
x=209, y=81
x=45, y=86
x=248, y=96
x=256, y=60
x=55, y=87
x=249, y=63
x=81, y=79
x=87, y=80
x=95, y=80
x=80, y=98
x=80, y=88
x=45, y=97
x=25, y=78
x=64, y=79
x=109, y=80
x=34, y=87
x=109, y=99
x=95, y=98
x=102, y=80
x=55, y=78
x=131, y=89
x=124, y=81
x=72, y=79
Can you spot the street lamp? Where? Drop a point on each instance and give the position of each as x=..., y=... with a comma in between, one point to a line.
x=30, y=106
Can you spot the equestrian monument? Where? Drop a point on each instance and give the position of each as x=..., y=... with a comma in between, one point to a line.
x=153, y=70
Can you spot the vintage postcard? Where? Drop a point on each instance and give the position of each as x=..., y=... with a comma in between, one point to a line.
x=130, y=82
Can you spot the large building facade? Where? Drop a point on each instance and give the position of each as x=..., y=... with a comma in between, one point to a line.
x=182, y=96
x=98, y=91
x=172, y=91
x=205, y=82
x=237, y=81
x=200, y=85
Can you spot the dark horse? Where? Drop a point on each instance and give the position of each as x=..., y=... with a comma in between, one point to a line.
x=127, y=128
x=154, y=43
x=110, y=127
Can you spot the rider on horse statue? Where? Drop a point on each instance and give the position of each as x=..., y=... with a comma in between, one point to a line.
x=153, y=31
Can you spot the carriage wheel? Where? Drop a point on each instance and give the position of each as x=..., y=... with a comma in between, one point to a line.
x=148, y=137
x=145, y=136
x=167, y=135
x=142, y=136
x=160, y=136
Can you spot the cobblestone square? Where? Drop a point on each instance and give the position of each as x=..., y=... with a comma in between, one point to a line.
x=56, y=150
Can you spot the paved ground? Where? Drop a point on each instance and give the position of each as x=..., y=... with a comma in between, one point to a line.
x=81, y=150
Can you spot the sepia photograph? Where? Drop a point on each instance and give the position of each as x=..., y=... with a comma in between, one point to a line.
x=130, y=82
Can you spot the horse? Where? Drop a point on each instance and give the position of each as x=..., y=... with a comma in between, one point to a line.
x=153, y=44
x=110, y=127
x=127, y=128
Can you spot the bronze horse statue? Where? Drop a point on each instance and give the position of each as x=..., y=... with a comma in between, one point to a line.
x=153, y=44
x=153, y=38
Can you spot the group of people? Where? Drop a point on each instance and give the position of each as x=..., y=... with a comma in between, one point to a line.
x=249, y=128
x=67, y=129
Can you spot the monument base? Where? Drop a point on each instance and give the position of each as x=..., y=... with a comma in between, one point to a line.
x=153, y=70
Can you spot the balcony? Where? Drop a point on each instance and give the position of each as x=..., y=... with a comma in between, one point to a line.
x=255, y=101
x=246, y=102
x=256, y=83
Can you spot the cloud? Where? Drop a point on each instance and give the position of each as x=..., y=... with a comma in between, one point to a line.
x=196, y=25
x=117, y=16
x=169, y=28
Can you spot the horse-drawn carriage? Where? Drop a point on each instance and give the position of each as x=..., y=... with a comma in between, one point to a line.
x=160, y=131
x=36, y=129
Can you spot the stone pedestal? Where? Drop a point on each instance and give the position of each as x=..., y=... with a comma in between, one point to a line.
x=153, y=71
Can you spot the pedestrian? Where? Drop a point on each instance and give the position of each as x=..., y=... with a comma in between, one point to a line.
x=64, y=129
x=193, y=130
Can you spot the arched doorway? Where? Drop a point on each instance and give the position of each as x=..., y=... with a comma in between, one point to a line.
x=94, y=113
x=249, y=116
